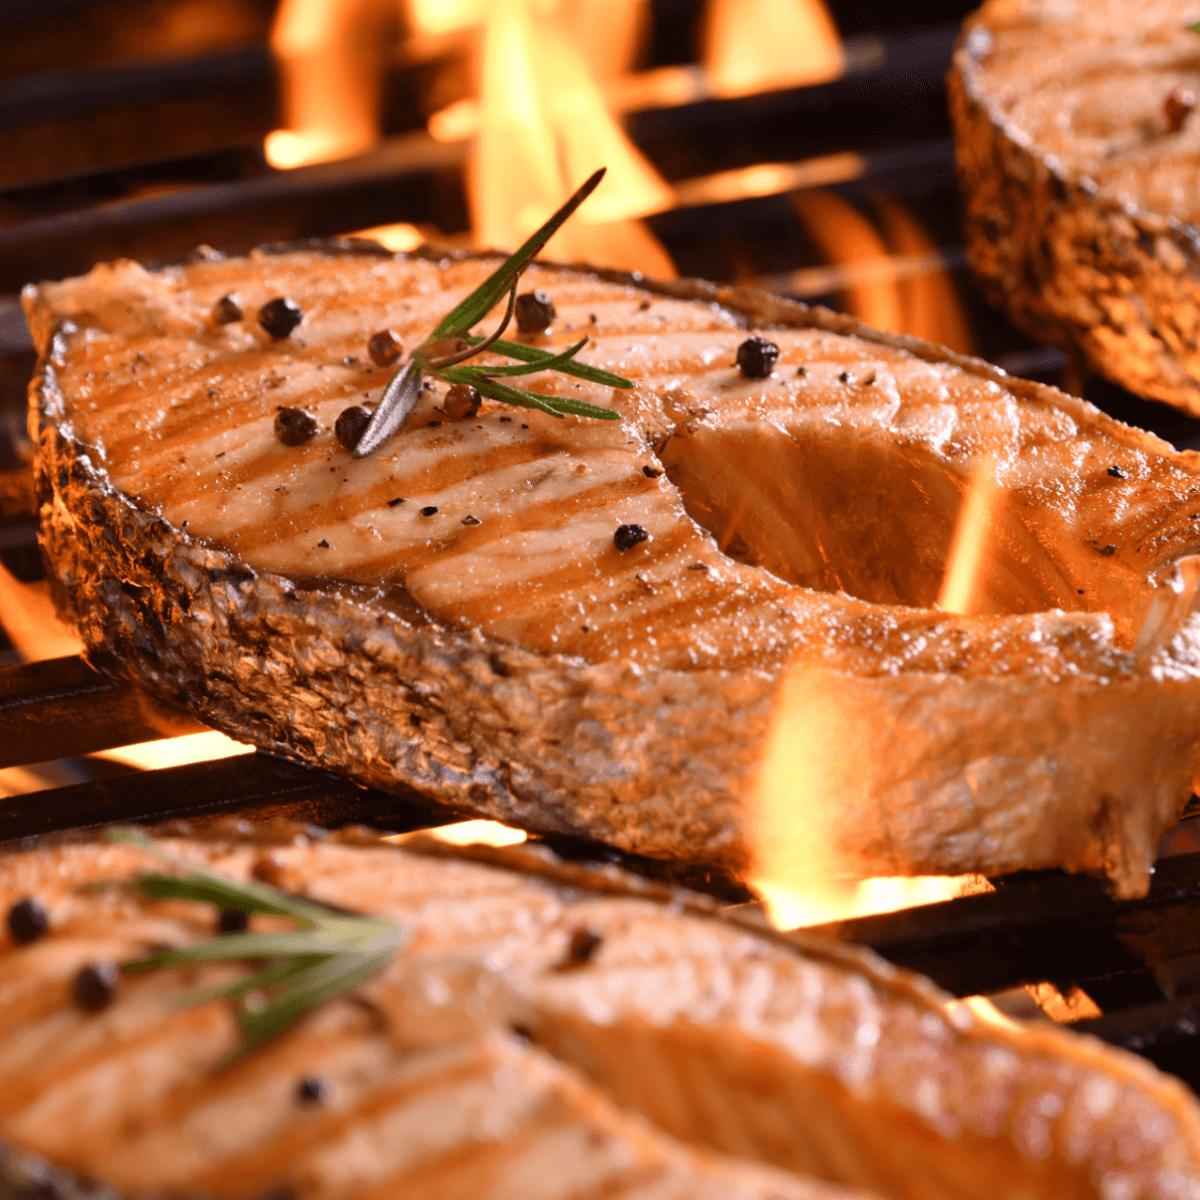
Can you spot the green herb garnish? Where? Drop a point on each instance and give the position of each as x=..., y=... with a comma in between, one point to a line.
x=330, y=954
x=451, y=344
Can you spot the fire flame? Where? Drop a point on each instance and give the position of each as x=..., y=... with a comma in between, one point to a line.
x=898, y=283
x=543, y=129
x=467, y=833
x=960, y=591
x=401, y=236
x=814, y=754
x=756, y=45
x=330, y=68
x=30, y=622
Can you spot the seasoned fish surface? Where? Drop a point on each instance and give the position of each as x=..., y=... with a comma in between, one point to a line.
x=456, y=612
x=1077, y=154
x=686, y=1056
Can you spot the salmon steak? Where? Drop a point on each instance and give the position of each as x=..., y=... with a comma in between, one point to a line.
x=547, y=1030
x=1076, y=148
x=629, y=631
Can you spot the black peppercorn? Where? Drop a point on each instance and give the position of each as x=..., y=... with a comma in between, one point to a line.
x=280, y=316
x=351, y=425
x=385, y=348
x=756, y=357
x=628, y=536
x=95, y=984
x=429, y=510
x=535, y=310
x=583, y=944
x=651, y=472
x=313, y=1090
x=1178, y=106
x=227, y=310
x=462, y=401
x=293, y=426
x=232, y=920
x=27, y=921
x=1116, y=472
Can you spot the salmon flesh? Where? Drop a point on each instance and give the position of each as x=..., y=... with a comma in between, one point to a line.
x=461, y=613
x=1077, y=149
x=686, y=1056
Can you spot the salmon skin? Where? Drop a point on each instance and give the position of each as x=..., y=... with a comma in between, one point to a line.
x=466, y=612
x=685, y=1054
x=1076, y=147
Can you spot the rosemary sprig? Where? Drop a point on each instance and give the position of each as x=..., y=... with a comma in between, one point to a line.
x=451, y=344
x=330, y=954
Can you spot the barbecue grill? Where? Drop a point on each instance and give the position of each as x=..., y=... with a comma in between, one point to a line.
x=1128, y=971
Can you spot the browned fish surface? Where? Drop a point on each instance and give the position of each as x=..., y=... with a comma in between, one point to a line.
x=1077, y=151
x=454, y=612
x=681, y=1029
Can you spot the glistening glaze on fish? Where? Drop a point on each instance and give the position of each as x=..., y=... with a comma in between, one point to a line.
x=693, y=1054
x=502, y=654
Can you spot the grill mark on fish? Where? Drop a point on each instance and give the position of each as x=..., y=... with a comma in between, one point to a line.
x=728, y=1035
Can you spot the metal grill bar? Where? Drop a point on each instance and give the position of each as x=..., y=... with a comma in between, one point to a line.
x=256, y=786
x=61, y=708
x=1040, y=926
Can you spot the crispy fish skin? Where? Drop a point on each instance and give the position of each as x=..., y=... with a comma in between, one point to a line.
x=686, y=1032
x=1079, y=217
x=982, y=744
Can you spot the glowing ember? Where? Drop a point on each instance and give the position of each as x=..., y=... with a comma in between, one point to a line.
x=175, y=752
x=789, y=906
x=755, y=45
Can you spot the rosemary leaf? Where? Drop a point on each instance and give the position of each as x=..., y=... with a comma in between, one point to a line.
x=306, y=991
x=268, y=977
x=331, y=954
x=394, y=406
x=552, y=362
x=483, y=299
x=245, y=945
x=556, y=406
x=531, y=354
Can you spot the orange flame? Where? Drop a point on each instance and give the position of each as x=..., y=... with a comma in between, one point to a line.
x=961, y=584
x=755, y=45
x=30, y=622
x=846, y=237
x=330, y=69
x=899, y=283
x=932, y=308
x=543, y=129
x=814, y=755
x=467, y=833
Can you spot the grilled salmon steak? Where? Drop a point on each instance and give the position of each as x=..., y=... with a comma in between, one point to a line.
x=600, y=628
x=682, y=1053
x=1076, y=150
